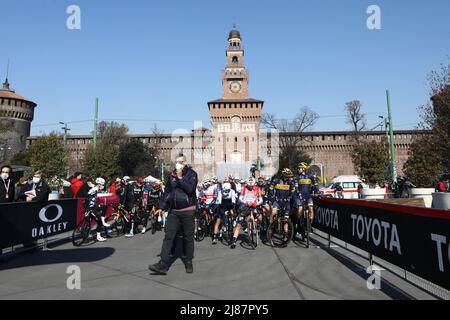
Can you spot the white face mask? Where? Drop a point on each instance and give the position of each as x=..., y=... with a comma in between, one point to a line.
x=179, y=166
x=36, y=180
x=5, y=176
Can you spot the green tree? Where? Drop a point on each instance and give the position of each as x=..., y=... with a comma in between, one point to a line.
x=422, y=169
x=49, y=155
x=291, y=157
x=21, y=159
x=103, y=161
x=371, y=160
x=136, y=159
x=429, y=155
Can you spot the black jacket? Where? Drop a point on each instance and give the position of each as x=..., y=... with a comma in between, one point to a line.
x=42, y=191
x=11, y=192
x=180, y=193
x=126, y=195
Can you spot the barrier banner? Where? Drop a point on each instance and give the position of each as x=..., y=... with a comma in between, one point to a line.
x=24, y=222
x=413, y=238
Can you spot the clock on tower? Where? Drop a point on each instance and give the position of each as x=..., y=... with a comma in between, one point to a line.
x=235, y=75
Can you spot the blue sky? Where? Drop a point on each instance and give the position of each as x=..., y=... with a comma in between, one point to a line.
x=161, y=60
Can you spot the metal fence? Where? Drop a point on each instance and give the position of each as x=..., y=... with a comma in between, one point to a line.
x=425, y=285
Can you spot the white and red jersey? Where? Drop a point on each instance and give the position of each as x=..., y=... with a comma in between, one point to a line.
x=212, y=195
x=252, y=198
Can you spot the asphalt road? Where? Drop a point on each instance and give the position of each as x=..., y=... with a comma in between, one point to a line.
x=118, y=269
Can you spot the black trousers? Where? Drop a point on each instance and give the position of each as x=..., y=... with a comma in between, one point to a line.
x=175, y=220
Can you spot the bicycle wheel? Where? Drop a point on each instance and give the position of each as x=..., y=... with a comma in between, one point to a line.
x=153, y=222
x=290, y=233
x=230, y=230
x=308, y=229
x=201, y=229
x=253, y=234
x=272, y=233
x=81, y=232
x=276, y=233
x=118, y=227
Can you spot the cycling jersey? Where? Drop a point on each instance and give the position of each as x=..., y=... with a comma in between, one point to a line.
x=282, y=190
x=126, y=194
x=137, y=191
x=264, y=193
x=212, y=195
x=252, y=198
x=92, y=197
x=229, y=195
x=151, y=196
x=154, y=196
x=305, y=184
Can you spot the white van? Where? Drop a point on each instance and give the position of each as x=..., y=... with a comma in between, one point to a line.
x=348, y=183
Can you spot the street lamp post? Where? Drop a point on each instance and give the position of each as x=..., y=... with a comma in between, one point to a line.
x=66, y=129
x=391, y=134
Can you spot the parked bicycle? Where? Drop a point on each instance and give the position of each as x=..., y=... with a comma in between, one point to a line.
x=203, y=224
x=276, y=233
x=227, y=230
x=82, y=232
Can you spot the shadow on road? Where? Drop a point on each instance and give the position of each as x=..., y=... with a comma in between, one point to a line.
x=58, y=256
x=388, y=288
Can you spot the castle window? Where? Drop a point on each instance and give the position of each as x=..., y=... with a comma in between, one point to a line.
x=235, y=60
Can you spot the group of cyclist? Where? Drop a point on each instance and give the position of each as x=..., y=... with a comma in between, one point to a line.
x=138, y=200
x=287, y=195
x=239, y=199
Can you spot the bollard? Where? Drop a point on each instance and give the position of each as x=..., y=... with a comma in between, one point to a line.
x=44, y=247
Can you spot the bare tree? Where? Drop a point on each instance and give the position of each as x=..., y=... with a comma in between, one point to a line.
x=290, y=135
x=355, y=117
x=302, y=122
x=157, y=134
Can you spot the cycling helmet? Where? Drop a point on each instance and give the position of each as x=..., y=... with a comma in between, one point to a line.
x=251, y=182
x=287, y=172
x=100, y=181
x=126, y=178
x=303, y=166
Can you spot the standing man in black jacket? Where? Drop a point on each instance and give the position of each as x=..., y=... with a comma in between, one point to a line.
x=179, y=199
x=6, y=185
x=36, y=190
